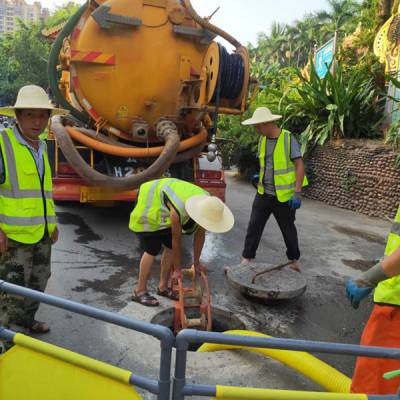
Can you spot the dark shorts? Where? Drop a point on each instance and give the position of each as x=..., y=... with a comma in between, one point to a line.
x=151, y=242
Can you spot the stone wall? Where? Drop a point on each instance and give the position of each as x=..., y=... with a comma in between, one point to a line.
x=358, y=175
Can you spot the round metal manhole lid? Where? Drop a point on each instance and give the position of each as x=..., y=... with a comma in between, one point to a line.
x=278, y=284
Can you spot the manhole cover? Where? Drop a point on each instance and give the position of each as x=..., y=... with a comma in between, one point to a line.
x=278, y=284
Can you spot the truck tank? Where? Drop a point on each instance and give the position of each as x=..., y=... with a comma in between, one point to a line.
x=144, y=82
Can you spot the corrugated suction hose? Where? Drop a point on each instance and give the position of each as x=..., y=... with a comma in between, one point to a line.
x=95, y=178
x=305, y=363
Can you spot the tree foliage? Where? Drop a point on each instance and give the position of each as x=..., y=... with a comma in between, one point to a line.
x=24, y=54
x=347, y=103
x=62, y=14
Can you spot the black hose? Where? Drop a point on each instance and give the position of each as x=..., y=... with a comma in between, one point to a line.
x=232, y=75
x=52, y=66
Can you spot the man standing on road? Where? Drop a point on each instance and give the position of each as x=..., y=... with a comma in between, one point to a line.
x=281, y=179
x=383, y=326
x=27, y=215
x=166, y=209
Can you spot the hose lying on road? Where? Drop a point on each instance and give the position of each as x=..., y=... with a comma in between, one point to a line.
x=305, y=363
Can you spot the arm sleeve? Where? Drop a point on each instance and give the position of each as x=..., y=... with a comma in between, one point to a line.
x=295, y=151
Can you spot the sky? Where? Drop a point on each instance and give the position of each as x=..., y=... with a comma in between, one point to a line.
x=243, y=19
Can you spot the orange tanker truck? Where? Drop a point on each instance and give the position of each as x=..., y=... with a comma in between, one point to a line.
x=144, y=82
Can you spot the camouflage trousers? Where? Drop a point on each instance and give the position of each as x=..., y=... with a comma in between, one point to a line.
x=24, y=265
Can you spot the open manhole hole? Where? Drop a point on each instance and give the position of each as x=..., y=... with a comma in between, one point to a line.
x=222, y=320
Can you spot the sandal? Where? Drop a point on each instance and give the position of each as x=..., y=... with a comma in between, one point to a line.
x=168, y=293
x=145, y=299
x=39, y=327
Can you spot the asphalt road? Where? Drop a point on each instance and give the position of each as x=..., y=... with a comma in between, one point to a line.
x=96, y=262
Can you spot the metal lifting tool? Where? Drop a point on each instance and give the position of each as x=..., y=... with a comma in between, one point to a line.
x=193, y=308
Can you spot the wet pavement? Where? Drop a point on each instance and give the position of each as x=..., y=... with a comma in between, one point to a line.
x=96, y=263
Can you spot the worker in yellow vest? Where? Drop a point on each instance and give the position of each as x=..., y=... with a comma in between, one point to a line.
x=166, y=209
x=280, y=183
x=27, y=216
x=383, y=326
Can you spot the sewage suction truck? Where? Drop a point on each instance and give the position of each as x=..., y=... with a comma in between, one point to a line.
x=144, y=82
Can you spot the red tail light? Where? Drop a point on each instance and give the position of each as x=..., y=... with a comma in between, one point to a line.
x=208, y=174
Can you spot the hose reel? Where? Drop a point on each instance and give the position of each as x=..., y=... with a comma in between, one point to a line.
x=232, y=74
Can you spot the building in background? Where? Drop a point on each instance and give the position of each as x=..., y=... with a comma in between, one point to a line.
x=11, y=10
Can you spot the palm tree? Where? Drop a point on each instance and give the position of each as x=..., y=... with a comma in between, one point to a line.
x=303, y=36
x=341, y=12
x=272, y=47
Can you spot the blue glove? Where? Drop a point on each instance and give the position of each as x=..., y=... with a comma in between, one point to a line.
x=254, y=180
x=355, y=293
x=295, y=201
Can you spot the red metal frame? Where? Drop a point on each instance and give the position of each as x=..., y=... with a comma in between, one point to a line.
x=203, y=305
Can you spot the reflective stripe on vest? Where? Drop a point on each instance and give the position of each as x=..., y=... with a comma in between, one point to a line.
x=22, y=215
x=284, y=171
x=151, y=212
x=388, y=291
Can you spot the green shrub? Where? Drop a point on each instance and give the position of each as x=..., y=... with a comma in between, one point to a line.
x=339, y=105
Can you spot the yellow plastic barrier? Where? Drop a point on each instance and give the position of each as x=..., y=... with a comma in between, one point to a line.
x=238, y=393
x=318, y=371
x=36, y=370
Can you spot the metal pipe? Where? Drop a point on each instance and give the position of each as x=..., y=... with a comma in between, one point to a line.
x=164, y=383
x=6, y=334
x=179, y=380
x=160, y=332
x=149, y=384
x=199, y=390
x=191, y=336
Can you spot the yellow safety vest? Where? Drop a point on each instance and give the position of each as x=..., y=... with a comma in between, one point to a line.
x=151, y=212
x=388, y=291
x=284, y=171
x=26, y=202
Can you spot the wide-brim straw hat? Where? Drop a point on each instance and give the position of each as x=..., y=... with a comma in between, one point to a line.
x=32, y=97
x=261, y=115
x=210, y=213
